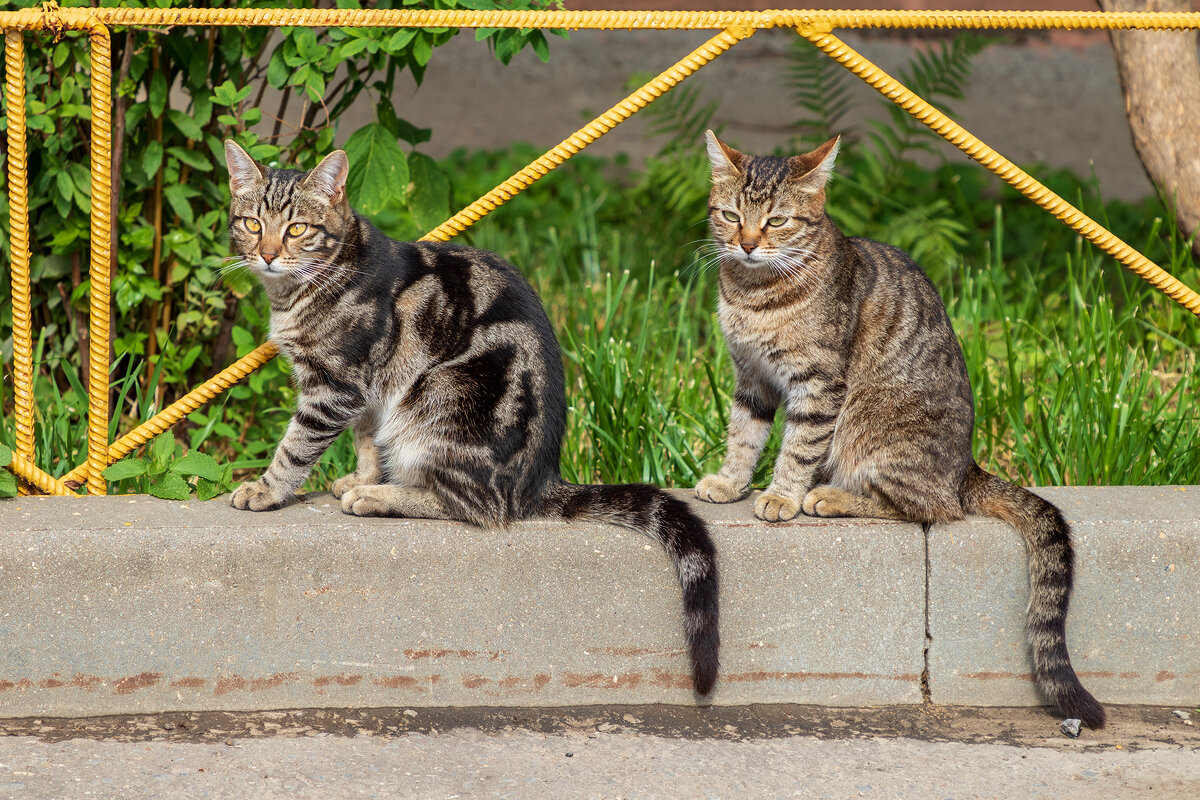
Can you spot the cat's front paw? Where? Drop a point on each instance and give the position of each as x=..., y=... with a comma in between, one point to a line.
x=715, y=489
x=255, y=496
x=775, y=508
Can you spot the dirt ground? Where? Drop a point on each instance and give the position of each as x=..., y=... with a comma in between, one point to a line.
x=1131, y=728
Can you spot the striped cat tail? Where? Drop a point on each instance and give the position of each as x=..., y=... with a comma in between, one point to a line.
x=653, y=512
x=1051, y=574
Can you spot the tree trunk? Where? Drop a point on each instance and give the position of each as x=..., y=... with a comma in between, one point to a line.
x=1160, y=77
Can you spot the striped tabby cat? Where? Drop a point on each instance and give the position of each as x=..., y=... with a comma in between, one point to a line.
x=442, y=360
x=851, y=338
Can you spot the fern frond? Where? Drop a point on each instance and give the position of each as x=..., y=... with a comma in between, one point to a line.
x=680, y=116
x=943, y=73
x=820, y=87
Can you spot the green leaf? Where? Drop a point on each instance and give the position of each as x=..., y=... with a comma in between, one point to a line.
x=8, y=484
x=401, y=39
x=278, y=71
x=378, y=169
x=411, y=133
x=422, y=50
x=207, y=490
x=243, y=340
x=170, y=486
x=430, y=199
x=5, y=455
x=161, y=450
x=65, y=187
x=185, y=124
x=192, y=158
x=158, y=93
x=351, y=47
x=229, y=95
x=129, y=468
x=152, y=158
x=240, y=283
x=197, y=463
x=177, y=195
x=540, y=46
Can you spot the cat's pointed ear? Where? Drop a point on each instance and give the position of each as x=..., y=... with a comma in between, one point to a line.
x=244, y=171
x=812, y=170
x=724, y=159
x=329, y=177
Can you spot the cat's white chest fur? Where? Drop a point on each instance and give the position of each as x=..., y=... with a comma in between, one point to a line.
x=406, y=443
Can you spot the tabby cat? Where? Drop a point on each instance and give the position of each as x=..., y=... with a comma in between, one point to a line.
x=442, y=360
x=851, y=338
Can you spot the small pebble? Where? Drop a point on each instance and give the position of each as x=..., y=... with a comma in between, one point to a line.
x=1071, y=727
x=570, y=754
x=1182, y=714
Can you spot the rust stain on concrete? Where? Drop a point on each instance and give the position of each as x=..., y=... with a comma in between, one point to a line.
x=89, y=683
x=142, y=680
x=416, y=655
x=598, y=680
x=508, y=684
x=341, y=680
x=659, y=678
x=237, y=683
x=631, y=652
x=758, y=676
x=1165, y=675
x=52, y=683
x=188, y=682
x=998, y=676
x=317, y=591
x=406, y=681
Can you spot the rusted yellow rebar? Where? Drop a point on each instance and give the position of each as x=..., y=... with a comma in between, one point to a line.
x=18, y=237
x=100, y=246
x=78, y=18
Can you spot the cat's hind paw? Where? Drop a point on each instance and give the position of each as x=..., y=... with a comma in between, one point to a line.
x=775, y=508
x=360, y=501
x=256, y=496
x=385, y=500
x=346, y=483
x=715, y=489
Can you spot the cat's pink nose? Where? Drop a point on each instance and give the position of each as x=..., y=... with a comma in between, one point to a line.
x=268, y=257
x=749, y=248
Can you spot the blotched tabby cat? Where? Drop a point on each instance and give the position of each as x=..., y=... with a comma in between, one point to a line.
x=851, y=338
x=442, y=359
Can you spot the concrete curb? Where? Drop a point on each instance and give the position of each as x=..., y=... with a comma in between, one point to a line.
x=132, y=605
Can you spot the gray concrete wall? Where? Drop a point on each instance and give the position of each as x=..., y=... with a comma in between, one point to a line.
x=131, y=604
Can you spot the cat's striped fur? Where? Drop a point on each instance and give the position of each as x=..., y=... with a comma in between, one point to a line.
x=441, y=359
x=850, y=337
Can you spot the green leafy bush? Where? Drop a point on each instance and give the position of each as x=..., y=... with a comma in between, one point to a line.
x=179, y=316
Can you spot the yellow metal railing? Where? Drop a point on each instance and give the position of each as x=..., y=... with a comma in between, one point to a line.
x=815, y=26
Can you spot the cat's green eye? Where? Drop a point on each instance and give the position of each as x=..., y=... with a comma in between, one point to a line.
x=296, y=228
x=732, y=217
x=775, y=222
x=252, y=225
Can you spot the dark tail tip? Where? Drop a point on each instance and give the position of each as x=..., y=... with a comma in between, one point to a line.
x=704, y=637
x=1079, y=704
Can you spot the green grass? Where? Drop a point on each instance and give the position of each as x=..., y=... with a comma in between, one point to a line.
x=1083, y=374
